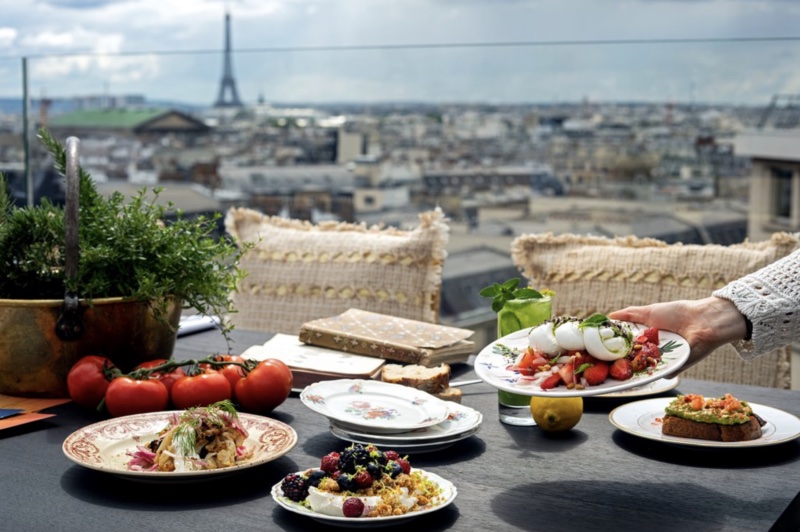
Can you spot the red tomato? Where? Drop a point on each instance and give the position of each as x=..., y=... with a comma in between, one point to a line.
x=232, y=372
x=87, y=381
x=265, y=387
x=126, y=396
x=168, y=378
x=200, y=390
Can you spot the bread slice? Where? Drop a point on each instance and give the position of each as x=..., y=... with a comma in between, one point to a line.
x=686, y=428
x=450, y=394
x=432, y=380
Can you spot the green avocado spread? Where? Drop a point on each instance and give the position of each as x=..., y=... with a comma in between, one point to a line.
x=724, y=410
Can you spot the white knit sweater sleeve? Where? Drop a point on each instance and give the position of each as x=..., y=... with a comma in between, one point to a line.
x=770, y=298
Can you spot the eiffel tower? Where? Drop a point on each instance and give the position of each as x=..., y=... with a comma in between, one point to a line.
x=228, y=84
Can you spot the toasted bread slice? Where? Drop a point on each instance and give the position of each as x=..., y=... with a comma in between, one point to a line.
x=686, y=428
x=432, y=380
x=450, y=394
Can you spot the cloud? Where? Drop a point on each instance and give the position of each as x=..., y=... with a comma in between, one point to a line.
x=7, y=37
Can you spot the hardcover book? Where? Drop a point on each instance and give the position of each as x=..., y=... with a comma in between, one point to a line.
x=389, y=337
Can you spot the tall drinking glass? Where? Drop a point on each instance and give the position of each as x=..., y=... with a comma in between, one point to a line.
x=515, y=315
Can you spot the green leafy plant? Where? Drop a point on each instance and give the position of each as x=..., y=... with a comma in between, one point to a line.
x=126, y=249
x=500, y=293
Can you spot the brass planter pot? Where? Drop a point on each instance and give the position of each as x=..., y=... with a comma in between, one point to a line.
x=34, y=361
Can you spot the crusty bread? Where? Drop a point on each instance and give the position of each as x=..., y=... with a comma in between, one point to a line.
x=686, y=428
x=450, y=394
x=432, y=380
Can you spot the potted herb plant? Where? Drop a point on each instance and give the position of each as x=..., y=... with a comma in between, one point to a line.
x=122, y=293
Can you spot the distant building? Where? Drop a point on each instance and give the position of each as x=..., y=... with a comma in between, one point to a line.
x=774, y=181
x=126, y=122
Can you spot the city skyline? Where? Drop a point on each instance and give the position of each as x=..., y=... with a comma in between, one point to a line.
x=514, y=51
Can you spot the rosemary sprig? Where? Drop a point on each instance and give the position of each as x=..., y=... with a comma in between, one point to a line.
x=669, y=346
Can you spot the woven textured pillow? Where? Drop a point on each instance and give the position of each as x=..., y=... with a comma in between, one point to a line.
x=597, y=274
x=299, y=271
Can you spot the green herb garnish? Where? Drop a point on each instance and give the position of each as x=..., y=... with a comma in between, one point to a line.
x=184, y=439
x=595, y=320
x=506, y=352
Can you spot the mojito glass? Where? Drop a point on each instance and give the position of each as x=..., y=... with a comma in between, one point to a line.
x=515, y=315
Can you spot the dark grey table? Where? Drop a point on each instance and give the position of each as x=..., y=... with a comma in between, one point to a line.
x=508, y=478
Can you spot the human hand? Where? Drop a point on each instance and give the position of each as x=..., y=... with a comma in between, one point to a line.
x=705, y=323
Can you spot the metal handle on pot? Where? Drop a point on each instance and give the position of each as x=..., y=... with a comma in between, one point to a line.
x=70, y=325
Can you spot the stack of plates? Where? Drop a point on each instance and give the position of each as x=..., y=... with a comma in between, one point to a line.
x=390, y=415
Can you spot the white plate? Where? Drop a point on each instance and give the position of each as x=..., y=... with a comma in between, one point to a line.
x=651, y=388
x=460, y=419
x=643, y=418
x=102, y=446
x=374, y=406
x=403, y=447
x=493, y=367
x=447, y=496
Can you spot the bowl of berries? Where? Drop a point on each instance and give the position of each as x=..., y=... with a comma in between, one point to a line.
x=363, y=485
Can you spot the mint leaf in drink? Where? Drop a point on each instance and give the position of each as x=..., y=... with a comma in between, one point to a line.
x=509, y=290
x=527, y=293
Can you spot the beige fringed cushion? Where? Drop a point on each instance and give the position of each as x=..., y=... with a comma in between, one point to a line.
x=597, y=274
x=299, y=271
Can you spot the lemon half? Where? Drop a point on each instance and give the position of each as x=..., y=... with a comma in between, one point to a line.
x=556, y=414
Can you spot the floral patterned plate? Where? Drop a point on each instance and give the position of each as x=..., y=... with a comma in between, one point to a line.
x=460, y=419
x=103, y=446
x=374, y=406
x=494, y=366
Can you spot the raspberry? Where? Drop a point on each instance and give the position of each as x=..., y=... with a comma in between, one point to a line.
x=330, y=462
x=363, y=479
x=353, y=507
x=294, y=487
x=405, y=465
x=391, y=455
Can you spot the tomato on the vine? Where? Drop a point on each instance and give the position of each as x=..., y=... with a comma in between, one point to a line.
x=169, y=378
x=87, y=380
x=203, y=389
x=126, y=396
x=233, y=372
x=265, y=387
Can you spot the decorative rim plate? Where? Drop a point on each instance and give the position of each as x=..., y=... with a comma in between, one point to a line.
x=493, y=368
x=460, y=419
x=643, y=419
x=102, y=446
x=402, y=446
x=376, y=406
x=448, y=495
x=651, y=388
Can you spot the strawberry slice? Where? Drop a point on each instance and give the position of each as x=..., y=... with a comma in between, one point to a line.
x=567, y=372
x=551, y=382
x=649, y=336
x=596, y=374
x=621, y=369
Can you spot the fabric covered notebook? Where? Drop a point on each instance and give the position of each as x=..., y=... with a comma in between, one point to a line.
x=310, y=364
x=389, y=337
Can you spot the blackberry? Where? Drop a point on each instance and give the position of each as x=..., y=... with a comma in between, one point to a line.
x=295, y=487
x=353, y=456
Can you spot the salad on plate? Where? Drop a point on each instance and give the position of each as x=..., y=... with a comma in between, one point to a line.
x=571, y=356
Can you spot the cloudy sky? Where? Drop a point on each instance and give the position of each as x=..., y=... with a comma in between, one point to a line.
x=502, y=51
